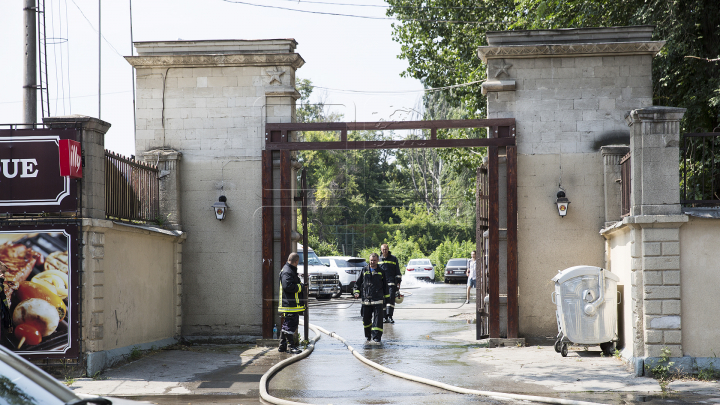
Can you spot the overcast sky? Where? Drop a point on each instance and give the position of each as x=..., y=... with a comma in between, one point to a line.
x=354, y=58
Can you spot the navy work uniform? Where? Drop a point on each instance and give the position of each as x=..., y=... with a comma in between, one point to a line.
x=292, y=304
x=373, y=290
x=391, y=269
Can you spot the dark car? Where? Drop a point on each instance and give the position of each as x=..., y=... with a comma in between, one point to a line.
x=455, y=271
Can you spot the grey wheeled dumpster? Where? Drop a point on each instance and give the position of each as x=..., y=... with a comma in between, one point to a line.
x=586, y=308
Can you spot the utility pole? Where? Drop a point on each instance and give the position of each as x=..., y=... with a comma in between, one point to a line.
x=30, y=71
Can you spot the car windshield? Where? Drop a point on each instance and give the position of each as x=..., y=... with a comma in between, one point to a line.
x=418, y=262
x=350, y=263
x=457, y=262
x=313, y=259
x=325, y=261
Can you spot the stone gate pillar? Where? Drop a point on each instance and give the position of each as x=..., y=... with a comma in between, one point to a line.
x=656, y=220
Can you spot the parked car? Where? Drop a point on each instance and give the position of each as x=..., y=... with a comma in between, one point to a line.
x=24, y=383
x=324, y=283
x=455, y=270
x=421, y=269
x=347, y=268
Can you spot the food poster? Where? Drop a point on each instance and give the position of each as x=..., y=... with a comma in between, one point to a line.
x=38, y=267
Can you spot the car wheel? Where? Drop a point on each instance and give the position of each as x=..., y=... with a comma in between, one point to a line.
x=340, y=291
x=447, y=281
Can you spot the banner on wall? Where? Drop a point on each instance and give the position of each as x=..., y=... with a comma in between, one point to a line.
x=39, y=268
x=30, y=170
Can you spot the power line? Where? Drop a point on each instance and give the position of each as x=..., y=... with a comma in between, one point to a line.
x=95, y=29
x=353, y=15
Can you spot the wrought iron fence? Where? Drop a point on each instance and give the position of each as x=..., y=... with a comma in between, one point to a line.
x=625, y=184
x=700, y=169
x=132, y=189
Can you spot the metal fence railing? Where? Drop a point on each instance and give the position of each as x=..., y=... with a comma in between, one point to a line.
x=700, y=170
x=625, y=184
x=132, y=189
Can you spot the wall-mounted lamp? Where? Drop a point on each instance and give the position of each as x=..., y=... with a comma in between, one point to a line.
x=562, y=203
x=220, y=208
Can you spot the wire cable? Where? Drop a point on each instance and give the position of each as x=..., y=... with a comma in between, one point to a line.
x=358, y=16
x=431, y=89
x=95, y=29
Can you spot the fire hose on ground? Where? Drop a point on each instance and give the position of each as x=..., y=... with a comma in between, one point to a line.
x=311, y=346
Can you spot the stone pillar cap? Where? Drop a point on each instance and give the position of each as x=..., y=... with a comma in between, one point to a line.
x=87, y=122
x=655, y=113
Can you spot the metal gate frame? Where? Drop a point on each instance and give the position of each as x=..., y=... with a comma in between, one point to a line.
x=501, y=134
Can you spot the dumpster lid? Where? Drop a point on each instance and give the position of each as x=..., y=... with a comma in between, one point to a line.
x=577, y=271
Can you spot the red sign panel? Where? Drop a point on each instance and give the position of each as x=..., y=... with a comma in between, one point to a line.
x=30, y=180
x=70, y=159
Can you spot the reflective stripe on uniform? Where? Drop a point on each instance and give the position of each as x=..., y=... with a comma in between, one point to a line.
x=380, y=329
x=389, y=284
x=391, y=305
x=373, y=302
x=367, y=326
x=293, y=309
x=388, y=261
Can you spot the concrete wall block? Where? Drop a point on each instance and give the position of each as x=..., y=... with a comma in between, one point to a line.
x=671, y=277
x=219, y=112
x=672, y=337
x=216, y=103
x=652, y=292
x=652, y=248
x=657, y=350
x=663, y=322
x=222, y=81
x=661, y=263
x=607, y=71
x=671, y=307
x=589, y=126
x=653, y=307
x=653, y=336
x=653, y=277
x=607, y=104
x=661, y=234
x=586, y=104
x=588, y=62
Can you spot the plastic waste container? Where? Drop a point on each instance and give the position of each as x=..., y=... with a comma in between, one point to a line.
x=586, y=308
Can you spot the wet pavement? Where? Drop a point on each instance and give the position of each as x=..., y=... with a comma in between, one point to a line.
x=432, y=338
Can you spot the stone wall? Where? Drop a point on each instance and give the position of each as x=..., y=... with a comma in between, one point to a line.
x=132, y=290
x=209, y=101
x=569, y=91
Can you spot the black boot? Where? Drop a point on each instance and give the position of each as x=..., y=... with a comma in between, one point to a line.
x=283, y=342
x=294, y=344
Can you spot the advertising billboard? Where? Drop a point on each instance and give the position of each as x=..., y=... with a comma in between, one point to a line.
x=30, y=178
x=39, y=271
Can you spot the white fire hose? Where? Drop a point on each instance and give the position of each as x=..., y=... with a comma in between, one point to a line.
x=495, y=395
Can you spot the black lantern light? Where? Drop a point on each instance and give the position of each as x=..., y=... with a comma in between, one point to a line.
x=220, y=208
x=562, y=203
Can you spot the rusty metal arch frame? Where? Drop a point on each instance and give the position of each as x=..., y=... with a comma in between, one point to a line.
x=502, y=134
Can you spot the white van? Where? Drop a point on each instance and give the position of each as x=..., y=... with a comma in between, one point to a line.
x=324, y=283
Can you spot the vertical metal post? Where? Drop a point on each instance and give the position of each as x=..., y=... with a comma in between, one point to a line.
x=303, y=186
x=512, y=244
x=99, y=58
x=268, y=279
x=30, y=62
x=494, y=257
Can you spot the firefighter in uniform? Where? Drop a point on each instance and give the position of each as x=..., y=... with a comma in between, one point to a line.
x=391, y=269
x=292, y=304
x=372, y=288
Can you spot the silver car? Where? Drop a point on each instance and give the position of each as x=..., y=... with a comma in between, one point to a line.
x=24, y=383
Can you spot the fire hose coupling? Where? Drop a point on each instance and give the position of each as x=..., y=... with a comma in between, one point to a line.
x=593, y=304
